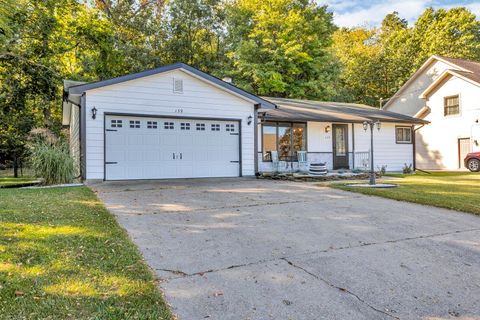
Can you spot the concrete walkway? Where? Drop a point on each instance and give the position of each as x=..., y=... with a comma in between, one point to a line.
x=260, y=249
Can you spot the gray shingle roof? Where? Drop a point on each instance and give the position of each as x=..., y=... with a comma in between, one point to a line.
x=470, y=65
x=310, y=110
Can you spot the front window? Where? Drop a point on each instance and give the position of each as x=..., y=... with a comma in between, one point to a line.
x=285, y=138
x=403, y=134
x=451, y=105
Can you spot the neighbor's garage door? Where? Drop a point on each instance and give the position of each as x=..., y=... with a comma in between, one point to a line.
x=160, y=148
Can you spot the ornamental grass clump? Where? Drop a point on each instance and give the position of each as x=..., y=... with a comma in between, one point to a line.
x=50, y=159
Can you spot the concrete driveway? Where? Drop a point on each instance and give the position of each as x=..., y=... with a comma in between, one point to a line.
x=258, y=249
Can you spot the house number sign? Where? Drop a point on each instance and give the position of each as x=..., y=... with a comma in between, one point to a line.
x=179, y=110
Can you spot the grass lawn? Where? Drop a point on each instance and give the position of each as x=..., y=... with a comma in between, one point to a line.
x=63, y=256
x=451, y=190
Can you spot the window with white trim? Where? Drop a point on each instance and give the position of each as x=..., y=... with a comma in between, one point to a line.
x=451, y=105
x=215, y=127
x=230, y=127
x=152, y=124
x=135, y=124
x=168, y=125
x=403, y=134
x=200, y=126
x=184, y=126
x=116, y=123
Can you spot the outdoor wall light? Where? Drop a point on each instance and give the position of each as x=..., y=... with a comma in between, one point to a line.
x=327, y=129
x=94, y=113
x=378, y=125
x=249, y=120
x=365, y=125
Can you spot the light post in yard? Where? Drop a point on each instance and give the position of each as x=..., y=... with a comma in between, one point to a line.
x=371, y=124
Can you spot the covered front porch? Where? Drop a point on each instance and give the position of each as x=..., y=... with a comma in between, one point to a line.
x=301, y=132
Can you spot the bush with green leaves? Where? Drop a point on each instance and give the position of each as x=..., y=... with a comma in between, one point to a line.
x=50, y=159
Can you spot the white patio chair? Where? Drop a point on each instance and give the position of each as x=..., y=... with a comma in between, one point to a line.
x=275, y=160
x=302, y=160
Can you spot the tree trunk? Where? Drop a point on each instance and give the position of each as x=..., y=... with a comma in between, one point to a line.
x=15, y=166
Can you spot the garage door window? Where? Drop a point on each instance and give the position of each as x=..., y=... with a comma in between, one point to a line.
x=230, y=127
x=168, y=125
x=215, y=127
x=152, y=124
x=116, y=123
x=134, y=124
x=200, y=126
x=184, y=126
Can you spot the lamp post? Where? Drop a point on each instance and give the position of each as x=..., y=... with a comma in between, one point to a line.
x=371, y=124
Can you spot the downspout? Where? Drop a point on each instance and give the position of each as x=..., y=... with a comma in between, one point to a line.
x=414, y=145
x=353, y=146
x=255, y=137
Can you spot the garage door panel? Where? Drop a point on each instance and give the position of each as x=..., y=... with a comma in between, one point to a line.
x=162, y=148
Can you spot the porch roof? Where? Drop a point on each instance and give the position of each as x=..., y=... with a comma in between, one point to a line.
x=310, y=110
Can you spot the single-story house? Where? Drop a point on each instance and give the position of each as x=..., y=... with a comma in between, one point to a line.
x=179, y=122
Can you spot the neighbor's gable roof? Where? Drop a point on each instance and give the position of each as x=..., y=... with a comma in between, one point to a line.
x=176, y=66
x=309, y=110
x=455, y=63
x=471, y=77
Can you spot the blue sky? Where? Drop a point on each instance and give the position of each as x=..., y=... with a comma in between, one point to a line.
x=364, y=12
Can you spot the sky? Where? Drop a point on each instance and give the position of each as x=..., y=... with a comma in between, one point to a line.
x=371, y=12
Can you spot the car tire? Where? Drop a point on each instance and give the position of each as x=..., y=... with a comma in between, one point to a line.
x=473, y=165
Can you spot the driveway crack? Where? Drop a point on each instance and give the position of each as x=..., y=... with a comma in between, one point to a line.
x=339, y=288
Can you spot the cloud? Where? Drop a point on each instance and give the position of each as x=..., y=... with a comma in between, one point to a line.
x=374, y=14
x=475, y=8
x=371, y=13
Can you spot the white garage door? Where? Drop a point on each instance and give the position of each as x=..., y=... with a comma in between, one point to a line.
x=163, y=148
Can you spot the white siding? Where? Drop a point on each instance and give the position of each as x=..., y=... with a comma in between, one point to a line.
x=387, y=152
x=408, y=101
x=154, y=95
x=437, y=142
x=75, y=137
x=320, y=146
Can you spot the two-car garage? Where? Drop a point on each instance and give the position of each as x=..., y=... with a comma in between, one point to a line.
x=165, y=148
x=171, y=122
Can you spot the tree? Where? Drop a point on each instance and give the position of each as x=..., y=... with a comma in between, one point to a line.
x=281, y=48
x=376, y=62
x=194, y=33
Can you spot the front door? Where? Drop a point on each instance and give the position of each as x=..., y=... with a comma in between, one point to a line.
x=463, y=150
x=340, y=146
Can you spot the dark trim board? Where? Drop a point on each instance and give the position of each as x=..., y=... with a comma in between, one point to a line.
x=106, y=114
x=83, y=136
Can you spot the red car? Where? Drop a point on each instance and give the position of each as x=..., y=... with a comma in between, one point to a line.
x=472, y=161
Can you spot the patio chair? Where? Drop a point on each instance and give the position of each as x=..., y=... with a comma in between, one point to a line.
x=275, y=160
x=302, y=160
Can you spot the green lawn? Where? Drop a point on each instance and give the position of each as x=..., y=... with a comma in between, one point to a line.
x=63, y=256
x=451, y=190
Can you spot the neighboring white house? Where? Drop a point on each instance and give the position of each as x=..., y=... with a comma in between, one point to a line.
x=445, y=92
x=178, y=122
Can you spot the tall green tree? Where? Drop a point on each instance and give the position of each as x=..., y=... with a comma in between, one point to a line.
x=194, y=33
x=282, y=48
